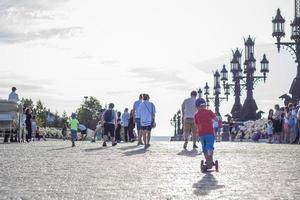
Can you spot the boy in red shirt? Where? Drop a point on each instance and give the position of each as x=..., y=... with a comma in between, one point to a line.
x=204, y=124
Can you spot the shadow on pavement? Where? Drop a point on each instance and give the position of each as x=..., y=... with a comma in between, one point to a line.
x=191, y=153
x=135, y=152
x=128, y=147
x=62, y=148
x=206, y=185
x=96, y=149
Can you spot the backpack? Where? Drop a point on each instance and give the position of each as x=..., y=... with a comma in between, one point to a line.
x=108, y=116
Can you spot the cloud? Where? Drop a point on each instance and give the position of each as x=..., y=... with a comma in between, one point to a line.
x=61, y=33
x=27, y=20
x=23, y=83
x=117, y=93
x=109, y=62
x=160, y=77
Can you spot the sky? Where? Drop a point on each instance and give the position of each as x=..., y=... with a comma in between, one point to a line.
x=60, y=51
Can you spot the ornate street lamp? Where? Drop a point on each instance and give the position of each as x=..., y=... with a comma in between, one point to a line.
x=216, y=92
x=294, y=47
x=248, y=110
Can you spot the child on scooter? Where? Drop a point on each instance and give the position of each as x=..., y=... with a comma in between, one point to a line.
x=203, y=121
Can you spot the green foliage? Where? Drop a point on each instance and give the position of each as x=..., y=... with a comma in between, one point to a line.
x=176, y=122
x=27, y=103
x=40, y=111
x=88, y=112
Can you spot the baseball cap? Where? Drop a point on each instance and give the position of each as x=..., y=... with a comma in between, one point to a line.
x=200, y=102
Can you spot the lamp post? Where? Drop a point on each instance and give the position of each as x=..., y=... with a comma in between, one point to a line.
x=294, y=46
x=217, y=92
x=248, y=110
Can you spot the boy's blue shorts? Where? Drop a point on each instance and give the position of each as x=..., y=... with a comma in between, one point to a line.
x=207, y=142
x=73, y=134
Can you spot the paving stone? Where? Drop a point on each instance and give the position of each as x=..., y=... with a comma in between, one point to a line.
x=54, y=170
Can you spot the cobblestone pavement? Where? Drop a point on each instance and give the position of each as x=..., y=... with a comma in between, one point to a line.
x=54, y=170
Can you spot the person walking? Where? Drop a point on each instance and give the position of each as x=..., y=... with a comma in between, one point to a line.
x=188, y=109
x=146, y=113
x=125, y=124
x=73, y=123
x=64, y=131
x=83, y=131
x=34, y=128
x=110, y=120
x=131, y=126
x=28, y=124
x=118, y=128
x=137, y=120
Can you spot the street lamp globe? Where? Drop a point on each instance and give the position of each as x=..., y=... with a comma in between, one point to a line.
x=224, y=74
x=199, y=93
x=237, y=54
x=264, y=66
x=217, y=78
x=206, y=89
x=278, y=25
x=296, y=29
x=251, y=62
x=234, y=65
x=249, y=48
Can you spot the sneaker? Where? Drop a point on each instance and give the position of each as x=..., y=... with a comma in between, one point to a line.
x=195, y=146
x=185, y=145
x=140, y=143
x=104, y=144
x=114, y=144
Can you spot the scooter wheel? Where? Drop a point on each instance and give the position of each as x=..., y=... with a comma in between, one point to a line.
x=217, y=166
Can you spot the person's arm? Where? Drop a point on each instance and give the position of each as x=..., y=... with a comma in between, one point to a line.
x=182, y=112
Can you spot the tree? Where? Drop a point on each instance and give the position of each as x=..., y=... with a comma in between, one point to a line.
x=179, y=129
x=41, y=113
x=173, y=123
x=64, y=117
x=176, y=122
x=57, y=120
x=27, y=103
x=89, y=111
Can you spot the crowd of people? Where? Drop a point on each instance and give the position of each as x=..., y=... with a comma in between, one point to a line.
x=142, y=116
x=283, y=124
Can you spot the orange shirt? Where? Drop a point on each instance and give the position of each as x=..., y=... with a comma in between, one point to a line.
x=203, y=121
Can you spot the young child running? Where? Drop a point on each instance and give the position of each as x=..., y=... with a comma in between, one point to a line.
x=203, y=120
x=73, y=123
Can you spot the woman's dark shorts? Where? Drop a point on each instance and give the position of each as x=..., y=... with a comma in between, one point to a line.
x=109, y=128
x=146, y=128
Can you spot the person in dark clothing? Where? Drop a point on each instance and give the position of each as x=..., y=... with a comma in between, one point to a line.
x=28, y=124
x=131, y=126
x=118, y=129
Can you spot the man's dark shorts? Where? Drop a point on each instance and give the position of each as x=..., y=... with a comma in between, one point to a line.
x=146, y=128
x=84, y=132
x=109, y=128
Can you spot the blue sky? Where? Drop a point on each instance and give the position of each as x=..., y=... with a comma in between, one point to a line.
x=61, y=51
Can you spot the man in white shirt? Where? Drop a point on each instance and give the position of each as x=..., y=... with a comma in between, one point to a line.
x=188, y=109
x=125, y=123
x=137, y=119
x=13, y=96
x=146, y=113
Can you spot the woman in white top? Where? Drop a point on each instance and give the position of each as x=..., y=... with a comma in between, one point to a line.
x=146, y=113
